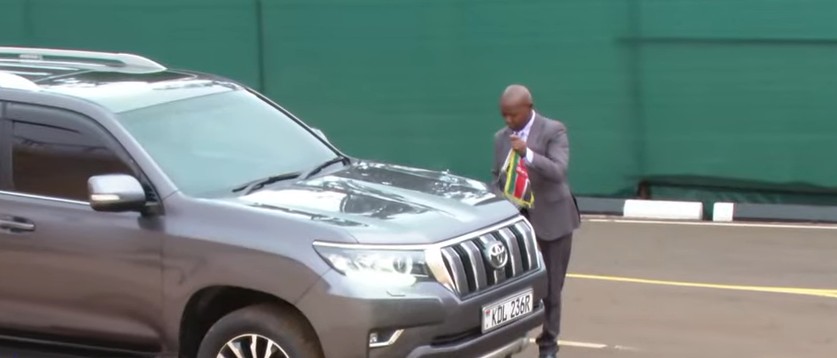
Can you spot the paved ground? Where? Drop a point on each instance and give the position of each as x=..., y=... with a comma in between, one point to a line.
x=666, y=314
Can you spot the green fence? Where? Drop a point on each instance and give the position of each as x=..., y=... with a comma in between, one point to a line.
x=699, y=98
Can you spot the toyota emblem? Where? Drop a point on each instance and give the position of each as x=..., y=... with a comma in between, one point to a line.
x=497, y=255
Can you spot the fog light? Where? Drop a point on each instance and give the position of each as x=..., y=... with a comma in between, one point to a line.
x=384, y=338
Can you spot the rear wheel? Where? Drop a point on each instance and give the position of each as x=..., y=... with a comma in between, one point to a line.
x=260, y=331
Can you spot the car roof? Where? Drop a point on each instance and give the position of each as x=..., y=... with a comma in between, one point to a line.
x=120, y=82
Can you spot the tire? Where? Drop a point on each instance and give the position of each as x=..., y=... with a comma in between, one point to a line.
x=287, y=329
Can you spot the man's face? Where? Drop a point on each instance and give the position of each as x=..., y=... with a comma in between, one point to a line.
x=515, y=114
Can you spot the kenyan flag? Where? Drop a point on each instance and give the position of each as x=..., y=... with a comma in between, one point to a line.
x=517, y=188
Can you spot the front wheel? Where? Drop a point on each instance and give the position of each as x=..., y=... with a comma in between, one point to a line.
x=260, y=331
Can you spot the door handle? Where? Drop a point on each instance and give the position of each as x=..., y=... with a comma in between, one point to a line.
x=16, y=225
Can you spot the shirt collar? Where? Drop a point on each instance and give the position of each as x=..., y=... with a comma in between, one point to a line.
x=525, y=130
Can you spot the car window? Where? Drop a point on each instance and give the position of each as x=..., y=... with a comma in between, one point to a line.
x=210, y=144
x=56, y=161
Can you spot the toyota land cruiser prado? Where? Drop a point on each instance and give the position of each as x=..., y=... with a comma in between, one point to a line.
x=146, y=211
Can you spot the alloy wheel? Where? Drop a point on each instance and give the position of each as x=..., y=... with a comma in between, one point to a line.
x=252, y=346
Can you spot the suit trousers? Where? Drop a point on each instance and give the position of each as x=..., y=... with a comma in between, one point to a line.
x=556, y=255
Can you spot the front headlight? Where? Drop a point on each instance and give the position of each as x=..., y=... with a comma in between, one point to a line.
x=376, y=266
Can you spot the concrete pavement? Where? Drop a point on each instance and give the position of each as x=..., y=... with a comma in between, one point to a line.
x=700, y=290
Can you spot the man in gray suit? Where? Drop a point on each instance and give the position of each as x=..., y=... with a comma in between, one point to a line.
x=543, y=144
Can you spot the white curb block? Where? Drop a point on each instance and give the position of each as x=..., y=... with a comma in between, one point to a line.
x=662, y=209
x=723, y=212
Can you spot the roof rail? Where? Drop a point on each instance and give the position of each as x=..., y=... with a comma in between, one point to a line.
x=11, y=80
x=38, y=54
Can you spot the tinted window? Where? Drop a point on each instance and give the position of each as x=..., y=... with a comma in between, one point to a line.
x=56, y=162
x=211, y=143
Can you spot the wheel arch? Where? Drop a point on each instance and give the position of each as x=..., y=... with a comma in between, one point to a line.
x=208, y=305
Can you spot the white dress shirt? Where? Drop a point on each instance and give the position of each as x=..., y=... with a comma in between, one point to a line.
x=524, y=134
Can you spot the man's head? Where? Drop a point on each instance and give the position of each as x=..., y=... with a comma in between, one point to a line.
x=516, y=106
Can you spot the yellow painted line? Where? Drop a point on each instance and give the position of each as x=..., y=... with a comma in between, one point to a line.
x=582, y=344
x=590, y=345
x=828, y=293
x=576, y=344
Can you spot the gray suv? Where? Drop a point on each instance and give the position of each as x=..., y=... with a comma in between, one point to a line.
x=146, y=211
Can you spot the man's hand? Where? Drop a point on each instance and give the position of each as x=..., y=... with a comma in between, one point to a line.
x=519, y=145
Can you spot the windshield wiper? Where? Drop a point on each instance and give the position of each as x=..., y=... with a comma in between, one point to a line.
x=257, y=184
x=325, y=164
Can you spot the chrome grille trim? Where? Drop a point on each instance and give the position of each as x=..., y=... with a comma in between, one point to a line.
x=455, y=267
x=466, y=260
x=477, y=264
x=524, y=229
x=515, y=260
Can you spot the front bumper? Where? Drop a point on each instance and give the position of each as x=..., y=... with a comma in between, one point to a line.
x=434, y=321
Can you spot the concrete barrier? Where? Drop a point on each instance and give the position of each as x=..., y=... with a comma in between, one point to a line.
x=775, y=212
x=641, y=209
x=663, y=209
x=601, y=206
x=693, y=210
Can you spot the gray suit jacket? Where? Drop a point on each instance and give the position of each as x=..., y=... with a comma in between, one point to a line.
x=555, y=211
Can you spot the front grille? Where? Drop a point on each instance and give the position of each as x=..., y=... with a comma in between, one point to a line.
x=470, y=267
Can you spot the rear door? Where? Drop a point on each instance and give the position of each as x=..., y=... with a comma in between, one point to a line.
x=68, y=273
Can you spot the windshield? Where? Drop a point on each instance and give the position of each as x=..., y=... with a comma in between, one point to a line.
x=210, y=144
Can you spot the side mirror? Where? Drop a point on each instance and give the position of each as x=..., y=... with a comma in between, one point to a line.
x=320, y=134
x=115, y=193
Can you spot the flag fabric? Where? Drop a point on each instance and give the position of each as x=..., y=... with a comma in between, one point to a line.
x=517, y=187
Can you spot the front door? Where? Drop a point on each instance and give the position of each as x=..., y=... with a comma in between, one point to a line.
x=68, y=273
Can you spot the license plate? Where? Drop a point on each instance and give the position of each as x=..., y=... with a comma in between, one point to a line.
x=506, y=311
